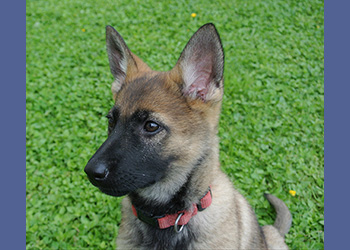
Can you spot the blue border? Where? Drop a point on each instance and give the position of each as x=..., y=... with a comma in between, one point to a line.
x=337, y=124
x=12, y=124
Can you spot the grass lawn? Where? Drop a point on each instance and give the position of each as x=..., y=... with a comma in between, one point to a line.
x=271, y=127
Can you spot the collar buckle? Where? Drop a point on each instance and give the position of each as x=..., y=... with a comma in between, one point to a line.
x=176, y=228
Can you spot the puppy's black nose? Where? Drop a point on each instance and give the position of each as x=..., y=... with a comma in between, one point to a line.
x=96, y=171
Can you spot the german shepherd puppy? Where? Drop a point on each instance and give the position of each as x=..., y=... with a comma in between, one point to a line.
x=162, y=152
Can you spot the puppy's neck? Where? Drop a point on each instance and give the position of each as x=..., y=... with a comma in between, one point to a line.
x=180, y=197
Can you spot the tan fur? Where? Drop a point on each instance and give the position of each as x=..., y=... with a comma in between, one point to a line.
x=136, y=68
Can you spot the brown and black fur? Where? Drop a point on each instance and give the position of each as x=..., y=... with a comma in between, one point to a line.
x=169, y=169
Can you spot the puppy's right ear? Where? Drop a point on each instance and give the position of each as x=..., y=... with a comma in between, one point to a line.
x=201, y=65
x=121, y=60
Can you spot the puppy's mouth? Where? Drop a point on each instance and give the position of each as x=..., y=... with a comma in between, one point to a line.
x=109, y=187
x=123, y=184
x=113, y=192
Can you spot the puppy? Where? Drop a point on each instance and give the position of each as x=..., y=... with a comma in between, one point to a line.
x=162, y=153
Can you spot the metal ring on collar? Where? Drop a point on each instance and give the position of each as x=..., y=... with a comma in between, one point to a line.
x=177, y=230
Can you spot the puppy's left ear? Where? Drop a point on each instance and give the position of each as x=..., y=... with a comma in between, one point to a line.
x=123, y=63
x=201, y=65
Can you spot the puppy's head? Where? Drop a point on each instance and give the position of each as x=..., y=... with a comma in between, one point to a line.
x=162, y=123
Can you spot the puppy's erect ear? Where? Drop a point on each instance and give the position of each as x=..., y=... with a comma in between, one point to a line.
x=201, y=65
x=122, y=62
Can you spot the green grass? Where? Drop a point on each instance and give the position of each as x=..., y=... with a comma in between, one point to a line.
x=271, y=126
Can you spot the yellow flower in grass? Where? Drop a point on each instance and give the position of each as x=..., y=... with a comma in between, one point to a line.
x=83, y=30
x=193, y=15
x=292, y=192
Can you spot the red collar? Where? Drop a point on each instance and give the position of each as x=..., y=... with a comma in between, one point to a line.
x=180, y=218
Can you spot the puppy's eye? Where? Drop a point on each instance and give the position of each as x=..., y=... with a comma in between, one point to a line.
x=151, y=127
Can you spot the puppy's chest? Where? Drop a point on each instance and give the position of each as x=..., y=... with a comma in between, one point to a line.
x=152, y=238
